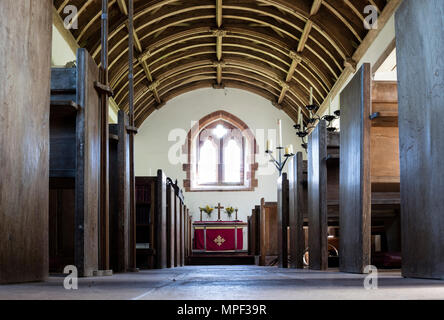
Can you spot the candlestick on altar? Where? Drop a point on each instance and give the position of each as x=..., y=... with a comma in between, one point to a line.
x=218, y=211
x=200, y=214
x=236, y=213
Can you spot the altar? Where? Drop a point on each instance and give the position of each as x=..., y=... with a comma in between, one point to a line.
x=218, y=236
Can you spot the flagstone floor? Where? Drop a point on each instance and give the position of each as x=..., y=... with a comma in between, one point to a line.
x=230, y=283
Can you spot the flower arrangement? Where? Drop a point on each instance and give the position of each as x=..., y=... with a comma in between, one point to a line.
x=229, y=211
x=207, y=209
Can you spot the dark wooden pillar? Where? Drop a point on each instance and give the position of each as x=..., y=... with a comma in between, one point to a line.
x=161, y=221
x=283, y=216
x=119, y=193
x=355, y=182
x=182, y=235
x=296, y=211
x=177, y=204
x=420, y=51
x=317, y=198
x=25, y=65
x=104, y=260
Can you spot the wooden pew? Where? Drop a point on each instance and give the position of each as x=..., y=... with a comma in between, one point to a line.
x=369, y=162
x=177, y=204
x=268, y=233
x=187, y=236
x=119, y=198
x=171, y=234
x=283, y=220
x=420, y=52
x=297, y=176
x=254, y=233
x=183, y=209
x=74, y=167
x=151, y=221
x=24, y=139
x=323, y=193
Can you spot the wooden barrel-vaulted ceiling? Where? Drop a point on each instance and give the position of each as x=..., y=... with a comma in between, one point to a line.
x=275, y=48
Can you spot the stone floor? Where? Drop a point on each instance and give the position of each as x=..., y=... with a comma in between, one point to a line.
x=228, y=283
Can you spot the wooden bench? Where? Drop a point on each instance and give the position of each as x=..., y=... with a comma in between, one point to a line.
x=369, y=162
x=323, y=193
x=74, y=167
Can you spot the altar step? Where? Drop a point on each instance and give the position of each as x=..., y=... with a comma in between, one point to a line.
x=205, y=259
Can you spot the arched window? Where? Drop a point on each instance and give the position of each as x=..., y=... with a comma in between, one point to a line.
x=221, y=155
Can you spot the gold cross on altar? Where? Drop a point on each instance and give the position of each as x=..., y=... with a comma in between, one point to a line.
x=219, y=240
x=218, y=211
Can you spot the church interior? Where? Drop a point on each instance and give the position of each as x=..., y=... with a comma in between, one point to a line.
x=221, y=149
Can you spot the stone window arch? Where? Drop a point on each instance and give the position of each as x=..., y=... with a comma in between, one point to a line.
x=221, y=152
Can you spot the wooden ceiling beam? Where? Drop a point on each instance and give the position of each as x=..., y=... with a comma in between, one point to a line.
x=385, y=15
x=305, y=35
x=295, y=57
x=317, y=57
x=285, y=86
x=219, y=34
x=315, y=7
x=310, y=69
x=295, y=60
x=262, y=59
x=176, y=79
x=219, y=65
x=122, y=6
x=354, y=9
x=219, y=13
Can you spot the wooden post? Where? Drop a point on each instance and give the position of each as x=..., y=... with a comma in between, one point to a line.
x=25, y=64
x=297, y=205
x=283, y=215
x=317, y=198
x=355, y=186
x=132, y=132
x=104, y=146
x=420, y=51
x=161, y=221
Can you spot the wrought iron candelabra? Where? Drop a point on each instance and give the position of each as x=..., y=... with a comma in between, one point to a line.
x=303, y=130
x=279, y=162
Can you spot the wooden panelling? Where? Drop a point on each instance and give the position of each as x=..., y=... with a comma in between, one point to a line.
x=283, y=217
x=385, y=155
x=355, y=186
x=24, y=139
x=420, y=64
x=297, y=207
x=268, y=232
x=317, y=198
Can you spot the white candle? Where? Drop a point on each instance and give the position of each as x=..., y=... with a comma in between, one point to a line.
x=269, y=145
x=299, y=115
x=329, y=108
x=311, y=95
x=289, y=149
x=280, y=133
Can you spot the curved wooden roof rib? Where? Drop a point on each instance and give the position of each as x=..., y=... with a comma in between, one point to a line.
x=277, y=49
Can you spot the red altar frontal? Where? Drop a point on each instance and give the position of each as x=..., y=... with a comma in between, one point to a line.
x=218, y=236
